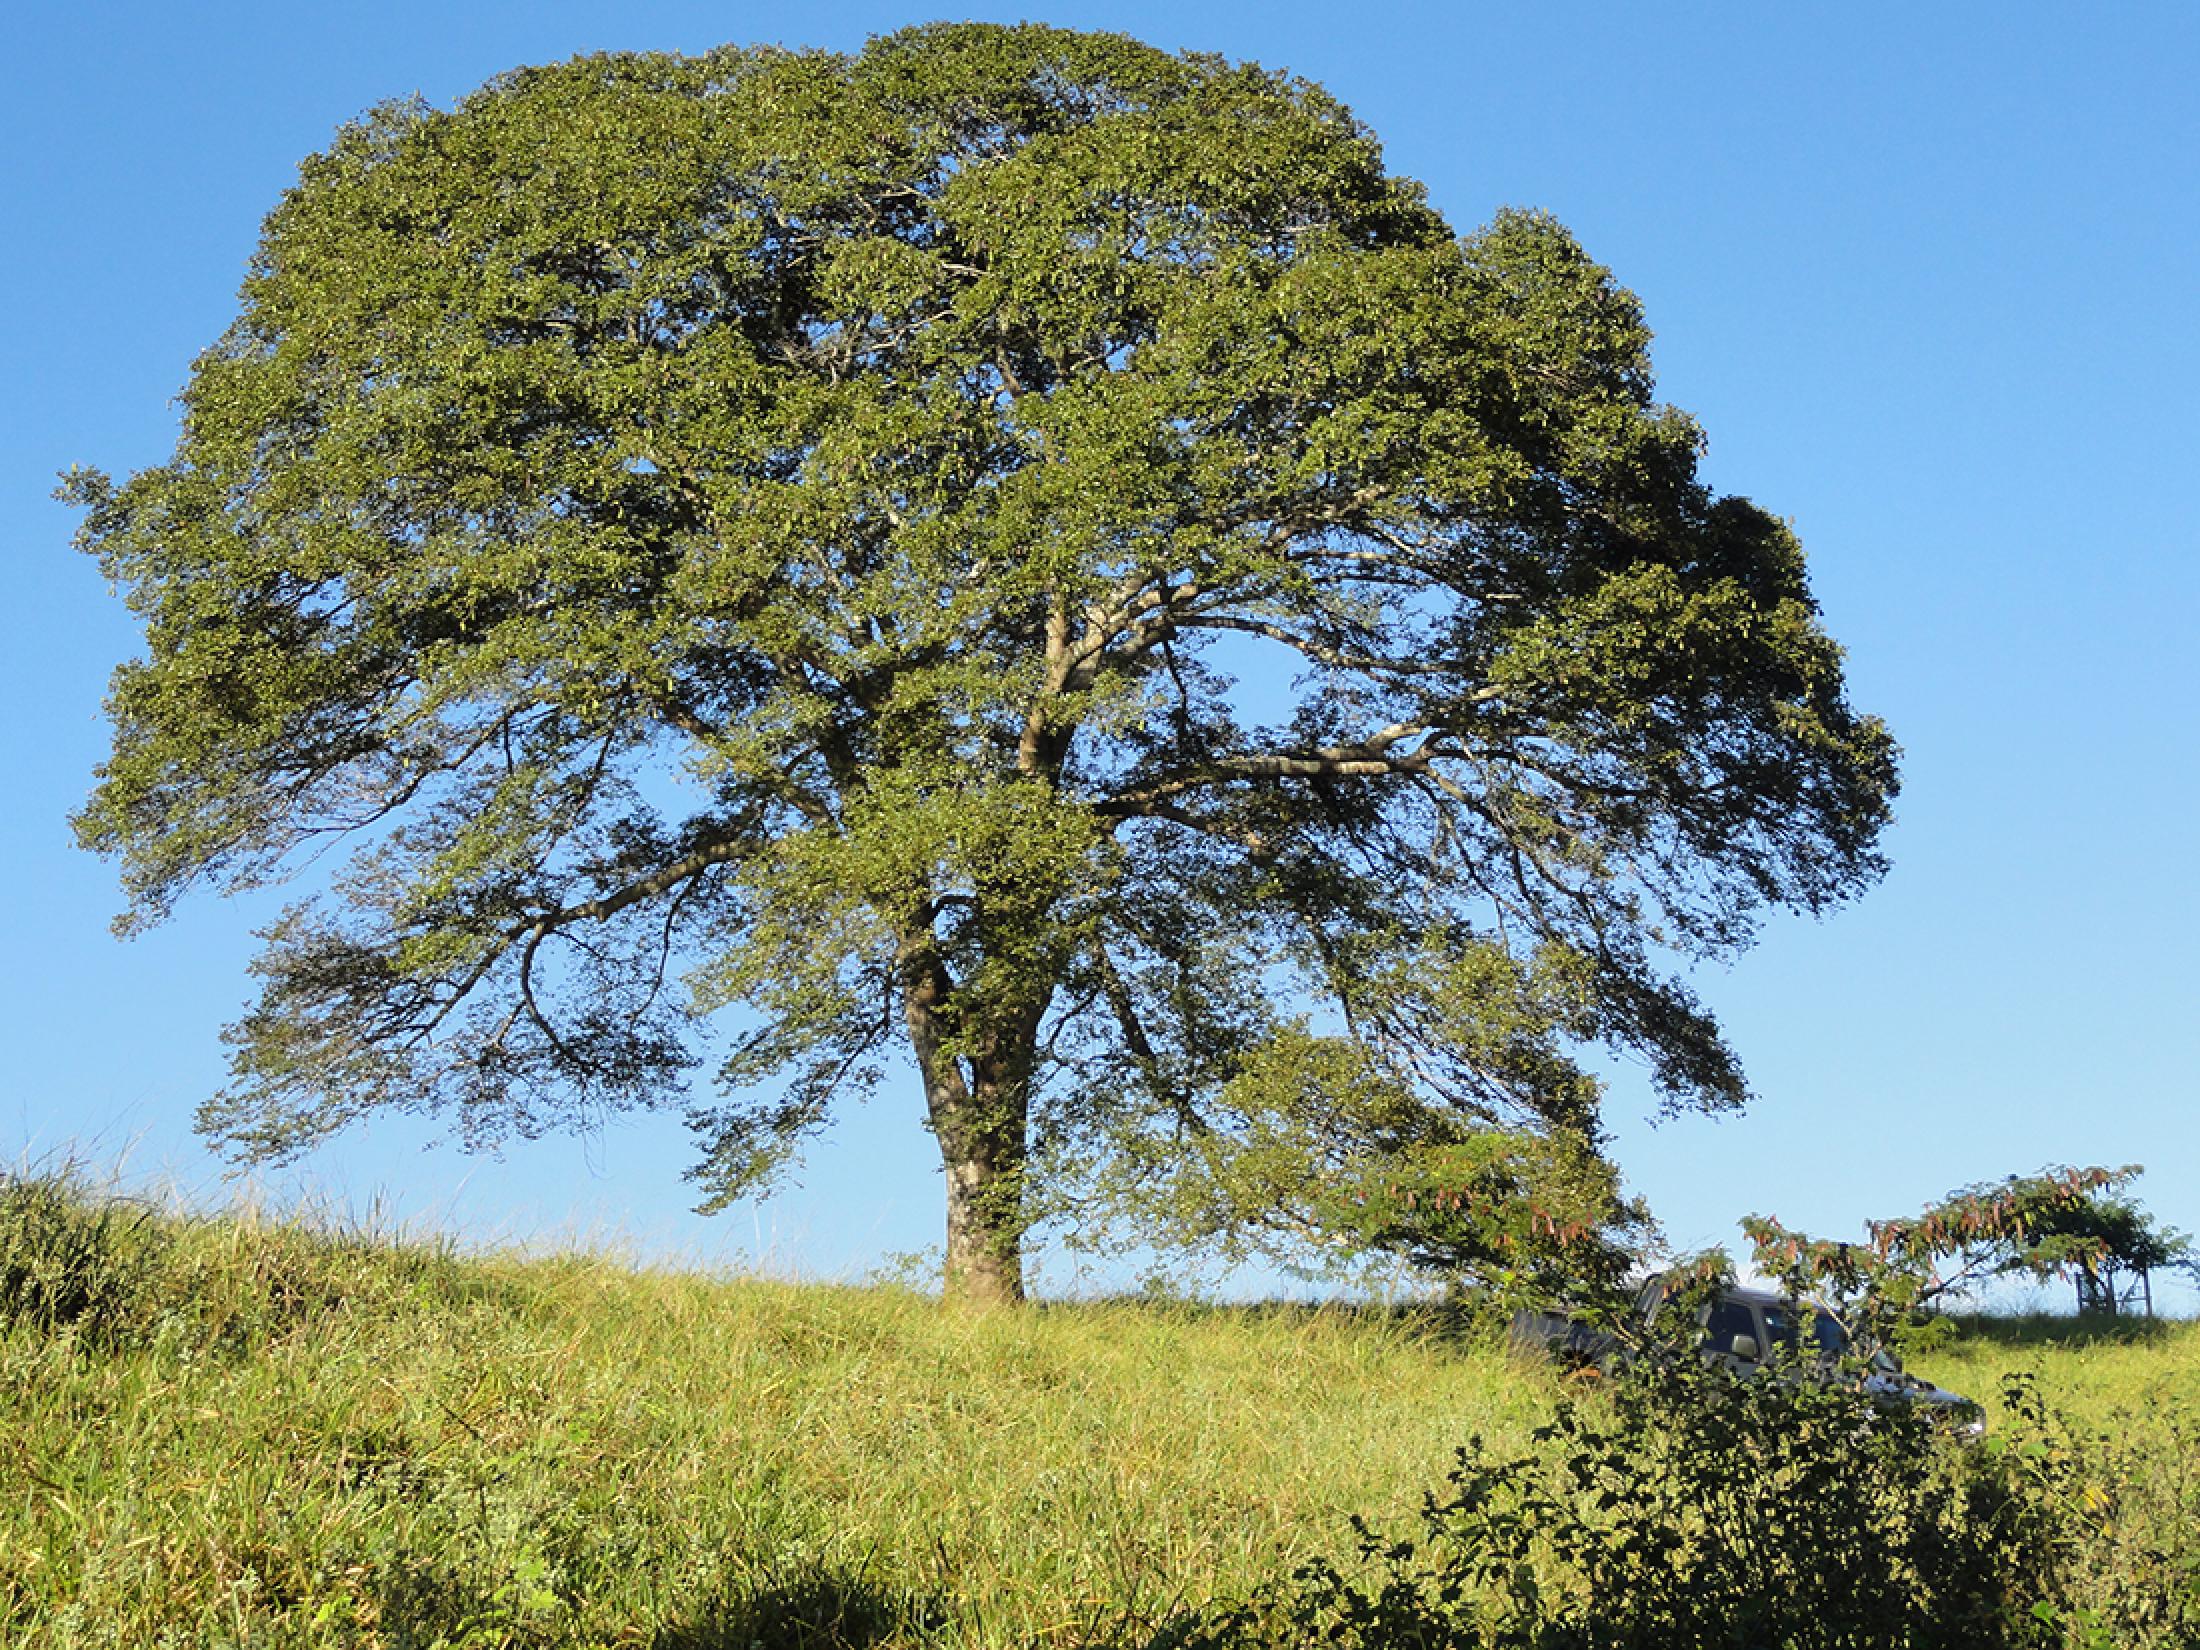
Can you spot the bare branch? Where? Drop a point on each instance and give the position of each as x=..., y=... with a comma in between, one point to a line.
x=1336, y=658
x=1244, y=836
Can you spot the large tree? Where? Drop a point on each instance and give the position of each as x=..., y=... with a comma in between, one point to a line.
x=1010, y=545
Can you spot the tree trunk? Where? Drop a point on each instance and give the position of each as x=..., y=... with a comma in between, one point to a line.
x=979, y=1117
x=985, y=1254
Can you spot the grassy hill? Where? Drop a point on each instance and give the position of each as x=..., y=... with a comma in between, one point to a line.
x=230, y=1431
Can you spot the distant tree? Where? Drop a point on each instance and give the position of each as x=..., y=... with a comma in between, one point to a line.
x=2060, y=1222
x=2108, y=1248
x=1011, y=545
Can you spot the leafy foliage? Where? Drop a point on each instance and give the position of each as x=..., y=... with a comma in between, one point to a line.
x=2060, y=1222
x=1009, y=544
x=1761, y=1514
x=2100, y=1243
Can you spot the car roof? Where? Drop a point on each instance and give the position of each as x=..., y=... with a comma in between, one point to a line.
x=1758, y=1297
x=1743, y=1292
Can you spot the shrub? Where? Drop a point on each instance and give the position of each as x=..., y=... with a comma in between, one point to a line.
x=1696, y=1510
x=2116, y=1514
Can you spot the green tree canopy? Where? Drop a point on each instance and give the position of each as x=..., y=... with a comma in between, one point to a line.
x=1011, y=546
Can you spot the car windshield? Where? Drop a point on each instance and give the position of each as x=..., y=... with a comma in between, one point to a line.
x=1827, y=1338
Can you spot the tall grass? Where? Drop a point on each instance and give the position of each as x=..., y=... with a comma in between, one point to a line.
x=236, y=1431
x=260, y=1433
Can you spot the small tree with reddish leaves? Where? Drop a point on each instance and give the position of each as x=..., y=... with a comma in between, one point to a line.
x=2060, y=1222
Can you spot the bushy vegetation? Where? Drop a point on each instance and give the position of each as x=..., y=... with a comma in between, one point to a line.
x=1694, y=1509
x=249, y=1433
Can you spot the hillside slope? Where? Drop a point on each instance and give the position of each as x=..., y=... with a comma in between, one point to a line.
x=229, y=1431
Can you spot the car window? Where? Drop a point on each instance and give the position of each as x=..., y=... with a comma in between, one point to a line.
x=1784, y=1323
x=1781, y=1326
x=1727, y=1320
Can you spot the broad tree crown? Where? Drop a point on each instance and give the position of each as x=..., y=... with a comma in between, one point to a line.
x=1010, y=546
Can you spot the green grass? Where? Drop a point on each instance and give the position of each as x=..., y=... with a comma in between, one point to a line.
x=239, y=1432
x=2098, y=1373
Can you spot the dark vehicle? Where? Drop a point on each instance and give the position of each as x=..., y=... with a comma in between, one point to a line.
x=1747, y=1331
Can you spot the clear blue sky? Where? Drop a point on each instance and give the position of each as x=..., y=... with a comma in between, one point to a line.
x=1930, y=277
